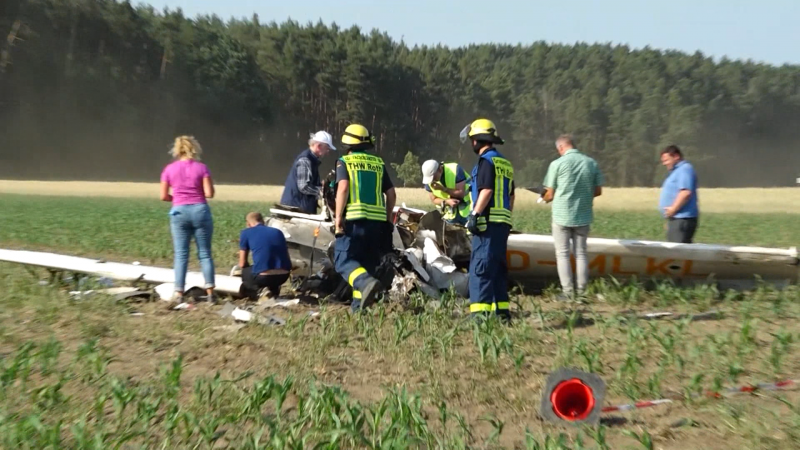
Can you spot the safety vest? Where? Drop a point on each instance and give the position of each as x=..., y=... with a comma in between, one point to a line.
x=449, y=181
x=365, y=174
x=499, y=207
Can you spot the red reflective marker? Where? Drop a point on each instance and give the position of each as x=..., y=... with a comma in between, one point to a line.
x=572, y=400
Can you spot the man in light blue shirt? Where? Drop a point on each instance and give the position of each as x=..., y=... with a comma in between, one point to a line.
x=678, y=202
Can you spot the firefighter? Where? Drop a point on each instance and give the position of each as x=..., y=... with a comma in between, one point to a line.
x=363, y=225
x=492, y=193
x=448, y=187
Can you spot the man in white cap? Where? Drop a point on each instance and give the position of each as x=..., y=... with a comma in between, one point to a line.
x=448, y=187
x=303, y=185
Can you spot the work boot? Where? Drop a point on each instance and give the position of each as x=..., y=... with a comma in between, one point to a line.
x=370, y=293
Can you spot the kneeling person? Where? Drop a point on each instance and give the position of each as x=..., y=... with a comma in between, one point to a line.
x=448, y=186
x=271, y=263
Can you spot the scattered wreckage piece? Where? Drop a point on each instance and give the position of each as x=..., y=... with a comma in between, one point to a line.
x=117, y=293
x=243, y=315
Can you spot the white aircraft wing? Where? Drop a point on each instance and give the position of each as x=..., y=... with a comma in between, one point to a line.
x=116, y=271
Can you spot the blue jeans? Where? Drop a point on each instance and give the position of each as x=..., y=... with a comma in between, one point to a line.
x=186, y=221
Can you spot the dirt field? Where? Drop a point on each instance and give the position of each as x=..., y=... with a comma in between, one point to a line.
x=416, y=374
x=751, y=200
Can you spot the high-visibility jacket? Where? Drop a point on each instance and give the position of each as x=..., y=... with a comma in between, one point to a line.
x=499, y=208
x=365, y=199
x=449, y=172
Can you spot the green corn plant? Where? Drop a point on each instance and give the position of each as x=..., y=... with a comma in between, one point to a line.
x=401, y=330
x=628, y=373
x=598, y=434
x=121, y=397
x=645, y=439
x=654, y=382
x=49, y=396
x=261, y=393
x=518, y=361
x=591, y=356
x=281, y=391
x=497, y=429
x=172, y=376
x=694, y=388
x=550, y=442
x=780, y=347
x=48, y=356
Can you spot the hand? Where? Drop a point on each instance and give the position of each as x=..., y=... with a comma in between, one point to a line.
x=339, y=230
x=670, y=211
x=476, y=224
x=452, y=202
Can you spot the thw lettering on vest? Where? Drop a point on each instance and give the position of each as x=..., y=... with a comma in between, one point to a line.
x=363, y=166
x=503, y=168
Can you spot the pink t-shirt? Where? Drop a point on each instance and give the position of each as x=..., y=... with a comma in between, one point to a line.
x=186, y=180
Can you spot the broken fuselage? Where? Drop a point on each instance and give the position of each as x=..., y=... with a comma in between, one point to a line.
x=531, y=257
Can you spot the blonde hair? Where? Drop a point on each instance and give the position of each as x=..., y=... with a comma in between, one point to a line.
x=186, y=146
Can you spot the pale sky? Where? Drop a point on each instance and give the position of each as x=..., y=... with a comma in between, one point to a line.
x=761, y=30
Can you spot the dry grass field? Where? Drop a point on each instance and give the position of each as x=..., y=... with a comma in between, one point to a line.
x=748, y=200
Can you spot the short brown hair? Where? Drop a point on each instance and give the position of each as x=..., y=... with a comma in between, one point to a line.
x=672, y=150
x=254, y=217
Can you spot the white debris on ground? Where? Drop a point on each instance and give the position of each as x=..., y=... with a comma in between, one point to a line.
x=119, y=293
x=402, y=286
x=242, y=315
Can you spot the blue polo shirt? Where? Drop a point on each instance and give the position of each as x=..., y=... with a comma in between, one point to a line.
x=268, y=247
x=682, y=176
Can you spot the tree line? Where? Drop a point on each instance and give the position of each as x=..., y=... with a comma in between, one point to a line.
x=97, y=89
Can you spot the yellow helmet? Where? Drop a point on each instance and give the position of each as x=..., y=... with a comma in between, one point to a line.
x=357, y=136
x=481, y=130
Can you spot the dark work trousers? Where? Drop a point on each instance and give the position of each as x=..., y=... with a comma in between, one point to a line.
x=252, y=283
x=681, y=230
x=488, y=272
x=357, y=254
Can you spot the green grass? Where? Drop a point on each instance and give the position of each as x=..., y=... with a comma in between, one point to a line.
x=87, y=374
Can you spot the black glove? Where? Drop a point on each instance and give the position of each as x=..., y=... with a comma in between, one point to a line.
x=476, y=224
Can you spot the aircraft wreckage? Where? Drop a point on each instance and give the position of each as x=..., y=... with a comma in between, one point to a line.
x=435, y=256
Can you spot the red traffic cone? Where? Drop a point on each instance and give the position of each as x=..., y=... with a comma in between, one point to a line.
x=573, y=396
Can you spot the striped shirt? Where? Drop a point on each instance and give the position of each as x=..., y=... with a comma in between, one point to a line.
x=574, y=177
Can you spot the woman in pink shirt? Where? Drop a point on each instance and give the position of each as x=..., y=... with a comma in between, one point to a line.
x=190, y=215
